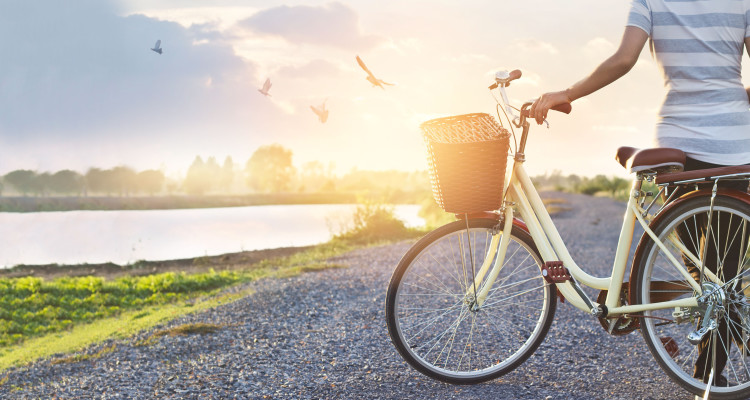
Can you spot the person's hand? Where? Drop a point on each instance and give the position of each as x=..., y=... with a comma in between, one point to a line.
x=546, y=101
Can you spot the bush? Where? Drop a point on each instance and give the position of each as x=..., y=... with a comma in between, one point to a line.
x=374, y=222
x=433, y=215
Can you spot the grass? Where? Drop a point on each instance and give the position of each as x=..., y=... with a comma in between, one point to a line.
x=120, y=327
x=67, y=203
x=83, y=357
x=31, y=306
x=145, y=302
x=181, y=330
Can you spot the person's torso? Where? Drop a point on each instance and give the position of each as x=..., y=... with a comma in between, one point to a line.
x=698, y=46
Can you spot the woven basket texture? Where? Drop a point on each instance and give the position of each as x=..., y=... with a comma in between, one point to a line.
x=468, y=155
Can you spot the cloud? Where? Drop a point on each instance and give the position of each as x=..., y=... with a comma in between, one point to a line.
x=334, y=25
x=534, y=45
x=408, y=45
x=311, y=70
x=599, y=48
x=81, y=75
x=471, y=59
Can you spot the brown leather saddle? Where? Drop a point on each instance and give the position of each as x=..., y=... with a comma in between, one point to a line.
x=668, y=165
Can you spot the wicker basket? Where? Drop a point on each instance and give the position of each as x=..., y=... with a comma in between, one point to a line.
x=467, y=158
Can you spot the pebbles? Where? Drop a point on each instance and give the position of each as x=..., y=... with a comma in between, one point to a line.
x=322, y=335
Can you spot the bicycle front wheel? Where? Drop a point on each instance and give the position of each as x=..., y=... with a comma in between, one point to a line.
x=434, y=321
x=723, y=350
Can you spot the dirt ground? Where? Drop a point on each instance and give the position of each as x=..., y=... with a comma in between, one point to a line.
x=230, y=261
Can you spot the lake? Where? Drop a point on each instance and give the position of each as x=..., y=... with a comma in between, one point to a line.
x=124, y=237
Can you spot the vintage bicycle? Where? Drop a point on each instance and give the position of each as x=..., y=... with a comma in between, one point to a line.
x=473, y=299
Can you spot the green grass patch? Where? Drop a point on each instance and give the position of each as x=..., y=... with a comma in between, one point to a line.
x=83, y=357
x=31, y=307
x=374, y=222
x=124, y=325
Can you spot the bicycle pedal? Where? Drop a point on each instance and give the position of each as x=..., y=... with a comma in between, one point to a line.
x=555, y=272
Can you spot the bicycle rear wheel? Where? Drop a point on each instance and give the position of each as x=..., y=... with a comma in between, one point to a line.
x=656, y=279
x=430, y=313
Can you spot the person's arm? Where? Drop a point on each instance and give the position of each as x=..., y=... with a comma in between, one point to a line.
x=747, y=46
x=607, y=72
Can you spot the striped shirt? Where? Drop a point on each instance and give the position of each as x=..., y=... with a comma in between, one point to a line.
x=698, y=45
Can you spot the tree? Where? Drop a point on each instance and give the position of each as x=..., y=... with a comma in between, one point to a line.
x=22, y=180
x=226, y=175
x=66, y=182
x=270, y=169
x=150, y=181
x=312, y=176
x=198, y=180
x=42, y=183
x=124, y=180
x=99, y=181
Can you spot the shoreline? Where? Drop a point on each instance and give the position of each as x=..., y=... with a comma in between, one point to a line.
x=221, y=262
x=21, y=204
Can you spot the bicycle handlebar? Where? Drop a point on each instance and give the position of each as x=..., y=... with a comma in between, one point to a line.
x=504, y=78
x=563, y=108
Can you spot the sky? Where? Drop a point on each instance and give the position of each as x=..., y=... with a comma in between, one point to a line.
x=79, y=86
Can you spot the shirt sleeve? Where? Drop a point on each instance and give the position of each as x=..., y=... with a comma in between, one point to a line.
x=747, y=17
x=640, y=16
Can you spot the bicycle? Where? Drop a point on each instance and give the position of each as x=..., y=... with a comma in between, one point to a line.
x=473, y=299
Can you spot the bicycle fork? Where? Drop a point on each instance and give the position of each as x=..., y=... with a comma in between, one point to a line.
x=498, y=246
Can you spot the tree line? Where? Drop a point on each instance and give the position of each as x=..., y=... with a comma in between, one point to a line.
x=270, y=169
x=115, y=181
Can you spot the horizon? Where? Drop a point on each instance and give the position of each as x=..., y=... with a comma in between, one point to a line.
x=81, y=88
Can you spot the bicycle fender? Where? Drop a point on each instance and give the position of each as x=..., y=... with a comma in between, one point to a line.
x=639, y=250
x=498, y=217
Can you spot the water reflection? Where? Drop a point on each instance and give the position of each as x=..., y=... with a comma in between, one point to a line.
x=123, y=237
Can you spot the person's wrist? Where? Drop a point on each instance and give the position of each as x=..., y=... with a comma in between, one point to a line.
x=566, y=92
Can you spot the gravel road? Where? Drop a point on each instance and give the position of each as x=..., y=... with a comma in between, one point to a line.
x=322, y=335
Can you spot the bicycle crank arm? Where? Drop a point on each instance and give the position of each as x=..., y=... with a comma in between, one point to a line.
x=555, y=272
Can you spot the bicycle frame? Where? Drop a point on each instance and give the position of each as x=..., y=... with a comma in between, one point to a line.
x=521, y=194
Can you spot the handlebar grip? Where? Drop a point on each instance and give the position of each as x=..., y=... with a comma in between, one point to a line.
x=563, y=108
x=515, y=74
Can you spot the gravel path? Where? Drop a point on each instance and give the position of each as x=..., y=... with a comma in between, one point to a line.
x=322, y=335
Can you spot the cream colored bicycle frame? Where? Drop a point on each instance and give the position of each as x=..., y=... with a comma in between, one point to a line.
x=523, y=196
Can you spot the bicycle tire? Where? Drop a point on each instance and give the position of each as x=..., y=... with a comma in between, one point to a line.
x=495, y=339
x=666, y=340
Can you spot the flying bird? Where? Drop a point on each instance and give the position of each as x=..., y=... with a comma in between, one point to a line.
x=370, y=77
x=321, y=112
x=157, y=46
x=266, y=87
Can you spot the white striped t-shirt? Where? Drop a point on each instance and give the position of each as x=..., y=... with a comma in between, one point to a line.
x=698, y=45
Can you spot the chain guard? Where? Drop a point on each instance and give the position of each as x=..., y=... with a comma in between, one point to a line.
x=624, y=325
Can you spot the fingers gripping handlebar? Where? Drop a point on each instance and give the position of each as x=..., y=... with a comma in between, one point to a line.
x=504, y=78
x=563, y=108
